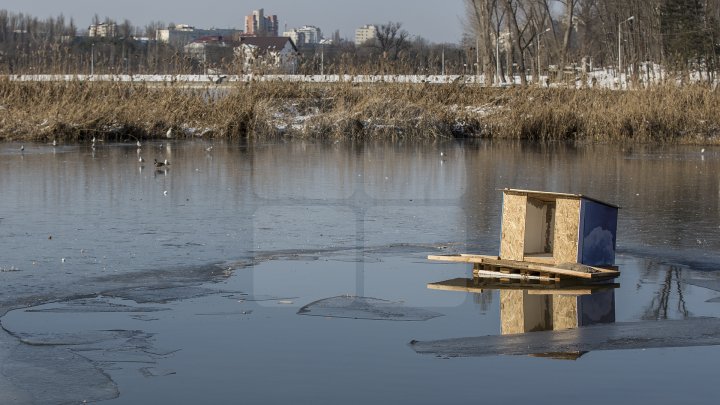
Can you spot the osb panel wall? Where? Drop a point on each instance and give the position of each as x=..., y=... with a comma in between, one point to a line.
x=565, y=312
x=512, y=319
x=513, y=226
x=567, y=230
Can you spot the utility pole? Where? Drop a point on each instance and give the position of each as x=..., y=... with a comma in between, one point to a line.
x=443, y=62
x=92, y=59
x=477, y=58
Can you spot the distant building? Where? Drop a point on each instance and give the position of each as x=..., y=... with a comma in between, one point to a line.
x=267, y=54
x=258, y=24
x=212, y=52
x=365, y=33
x=313, y=35
x=297, y=37
x=183, y=34
x=103, y=30
x=306, y=35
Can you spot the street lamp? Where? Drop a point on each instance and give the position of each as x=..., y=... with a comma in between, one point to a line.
x=632, y=17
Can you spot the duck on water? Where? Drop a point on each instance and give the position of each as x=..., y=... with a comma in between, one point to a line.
x=161, y=164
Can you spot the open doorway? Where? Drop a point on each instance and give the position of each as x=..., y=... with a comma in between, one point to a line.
x=539, y=229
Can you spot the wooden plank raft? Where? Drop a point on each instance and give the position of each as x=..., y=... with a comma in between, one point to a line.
x=555, y=272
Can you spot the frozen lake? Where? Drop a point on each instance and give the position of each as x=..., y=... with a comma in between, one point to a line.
x=296, y=272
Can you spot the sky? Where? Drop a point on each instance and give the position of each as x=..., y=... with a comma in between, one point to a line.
x=436, y=21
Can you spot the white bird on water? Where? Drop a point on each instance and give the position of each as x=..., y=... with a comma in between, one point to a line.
x=22, y=148
x=54, y=142
x=138, y=144
x=141, y=160
x=168, y=134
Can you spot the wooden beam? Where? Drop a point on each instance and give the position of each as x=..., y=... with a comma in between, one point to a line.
x=566, y=269
x=512, y=276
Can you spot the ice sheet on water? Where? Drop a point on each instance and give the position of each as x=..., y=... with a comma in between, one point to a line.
x=92, y=305
x=160, y=294
x=56, y=375
x=618, y=336
x=258, y=297
x=68, y=367
x=61, y=376
x=155, y=372
x=76, y=339
x=366, y=308
x=709, y=283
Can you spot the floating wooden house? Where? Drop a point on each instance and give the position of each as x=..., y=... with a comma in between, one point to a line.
x=558, y=228
x=556, y=234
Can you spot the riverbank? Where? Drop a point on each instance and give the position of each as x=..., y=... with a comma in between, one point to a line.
x=73, y=111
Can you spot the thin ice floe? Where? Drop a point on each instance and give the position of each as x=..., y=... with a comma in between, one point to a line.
x=366, y=308
x=618, y=336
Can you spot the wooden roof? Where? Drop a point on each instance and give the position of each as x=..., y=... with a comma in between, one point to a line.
x=552, y=196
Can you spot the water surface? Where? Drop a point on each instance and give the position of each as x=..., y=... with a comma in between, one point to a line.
x=184, y=285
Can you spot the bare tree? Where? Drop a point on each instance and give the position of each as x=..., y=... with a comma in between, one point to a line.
x=392, y=39
x=479, y=23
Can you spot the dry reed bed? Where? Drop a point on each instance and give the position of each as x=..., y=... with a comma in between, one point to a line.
x=76, y=111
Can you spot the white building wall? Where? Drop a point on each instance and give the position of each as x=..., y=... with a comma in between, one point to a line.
x=313, y=35
x=365, y=33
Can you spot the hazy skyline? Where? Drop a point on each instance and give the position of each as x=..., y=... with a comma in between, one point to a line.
x=435, y=21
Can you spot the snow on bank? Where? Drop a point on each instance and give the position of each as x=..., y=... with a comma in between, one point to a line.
x=601, y=78
x=215, y=79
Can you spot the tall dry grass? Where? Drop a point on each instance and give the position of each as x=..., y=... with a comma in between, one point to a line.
x=76, y=110
x=659, y=114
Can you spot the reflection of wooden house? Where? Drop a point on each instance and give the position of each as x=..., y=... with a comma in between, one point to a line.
x=551, y=235
x=523, y=311
x=533, y=306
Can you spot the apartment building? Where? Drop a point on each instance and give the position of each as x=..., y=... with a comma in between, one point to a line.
x=103, y=30
x=258, y=24
x=183, y=34
x=365, y=33
x=306, y=35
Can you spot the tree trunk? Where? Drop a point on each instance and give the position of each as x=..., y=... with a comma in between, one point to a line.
x=569, y=14
x=516, y=41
